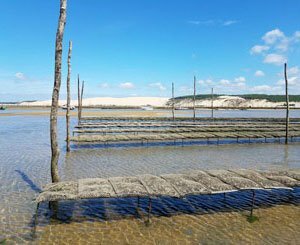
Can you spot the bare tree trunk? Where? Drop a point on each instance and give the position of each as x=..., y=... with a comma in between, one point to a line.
x=173, y=103
x=56, y=88
x=212, y=102
x=81, y=97
x=68, y=96
x=78, y=99
x=194, y=99
x=287, y=120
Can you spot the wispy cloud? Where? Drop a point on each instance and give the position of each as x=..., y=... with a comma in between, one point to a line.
x=104, y=85
x=276, y=59
x=20, y=76
x=213, y=22
x=229, y=22
x=259, y=73
x=258, y=49
x=240, y=79
x=126, y=85
x=158, y=85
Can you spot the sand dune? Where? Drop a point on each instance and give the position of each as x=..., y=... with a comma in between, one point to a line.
x=221, y=101
x=108, y=101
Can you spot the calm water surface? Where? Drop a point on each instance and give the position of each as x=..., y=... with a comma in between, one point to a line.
x=25, y=168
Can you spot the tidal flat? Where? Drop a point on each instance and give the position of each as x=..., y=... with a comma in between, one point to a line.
x=25, y=169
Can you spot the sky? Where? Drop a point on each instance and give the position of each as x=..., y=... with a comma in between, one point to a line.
x=139, y=47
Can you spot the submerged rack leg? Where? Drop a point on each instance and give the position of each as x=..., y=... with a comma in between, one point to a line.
x=149, y=210
x=35, y=220
x=253, y=201
x=138, y=206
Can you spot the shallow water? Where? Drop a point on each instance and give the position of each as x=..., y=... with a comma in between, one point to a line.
x=25, y=168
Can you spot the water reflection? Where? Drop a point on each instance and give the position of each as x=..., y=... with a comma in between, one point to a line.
x=25, y=168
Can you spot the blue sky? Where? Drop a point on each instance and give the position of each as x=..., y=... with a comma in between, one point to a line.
x=139, y=47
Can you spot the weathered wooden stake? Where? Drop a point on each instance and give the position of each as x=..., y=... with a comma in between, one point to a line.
x=212, y=102
x=56, y=88
x=68, y=96
x=78, y=99
x=173, y=103
x=287, y=119
x=81, y=98
x=194, y=99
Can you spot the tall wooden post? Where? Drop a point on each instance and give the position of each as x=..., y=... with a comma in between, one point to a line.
x=287, y=119
x=194, y=99
x=212, y=102
x=68, y=97
x=173, y=103
x=56, y=88
x=81, y=98
x=78, y=99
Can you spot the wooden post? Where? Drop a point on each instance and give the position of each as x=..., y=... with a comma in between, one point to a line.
x=212, y=102
x=81, y=96
x=194, y=99
x=173, y=103
x=78, y=99
x=287, y=119
x=68, y=97
x=56, y=88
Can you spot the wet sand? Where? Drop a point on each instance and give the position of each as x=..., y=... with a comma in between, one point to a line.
x=24, y=170
x=91, y=112
x=276, y=225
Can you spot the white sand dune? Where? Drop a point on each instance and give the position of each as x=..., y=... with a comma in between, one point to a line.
x=233, y=101
x=107, y=101
x=221, y=101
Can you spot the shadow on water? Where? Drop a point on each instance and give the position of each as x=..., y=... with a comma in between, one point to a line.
x=31, y=184
x=110, y=209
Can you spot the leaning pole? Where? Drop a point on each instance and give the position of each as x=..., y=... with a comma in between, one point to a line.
x=78, y=99
x=287, y=118
x=173, y=103
x=56, y=88
x=68, y=97
x=194, y=100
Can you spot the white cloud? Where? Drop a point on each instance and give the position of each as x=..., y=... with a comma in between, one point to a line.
x=261, y=88
x=258, y=49
x=229, y=22
x=185, y=89
x=224, y=82
x=276, y=46
x=127, y=85
x=206, y=82
x=294, y=70
x=240, y=80
x=273, y=36
x=276, y=59
x=283, y=45
x=158, y=85
x=20, y=75
x=296, y=36
x=194, y=22
x=291, y=81
x=104, y=85
x=215, y=22
x=259, y=73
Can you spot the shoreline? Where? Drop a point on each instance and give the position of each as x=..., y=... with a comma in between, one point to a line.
x=158, y=107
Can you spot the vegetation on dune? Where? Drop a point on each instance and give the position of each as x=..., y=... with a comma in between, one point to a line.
x=271, y=98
